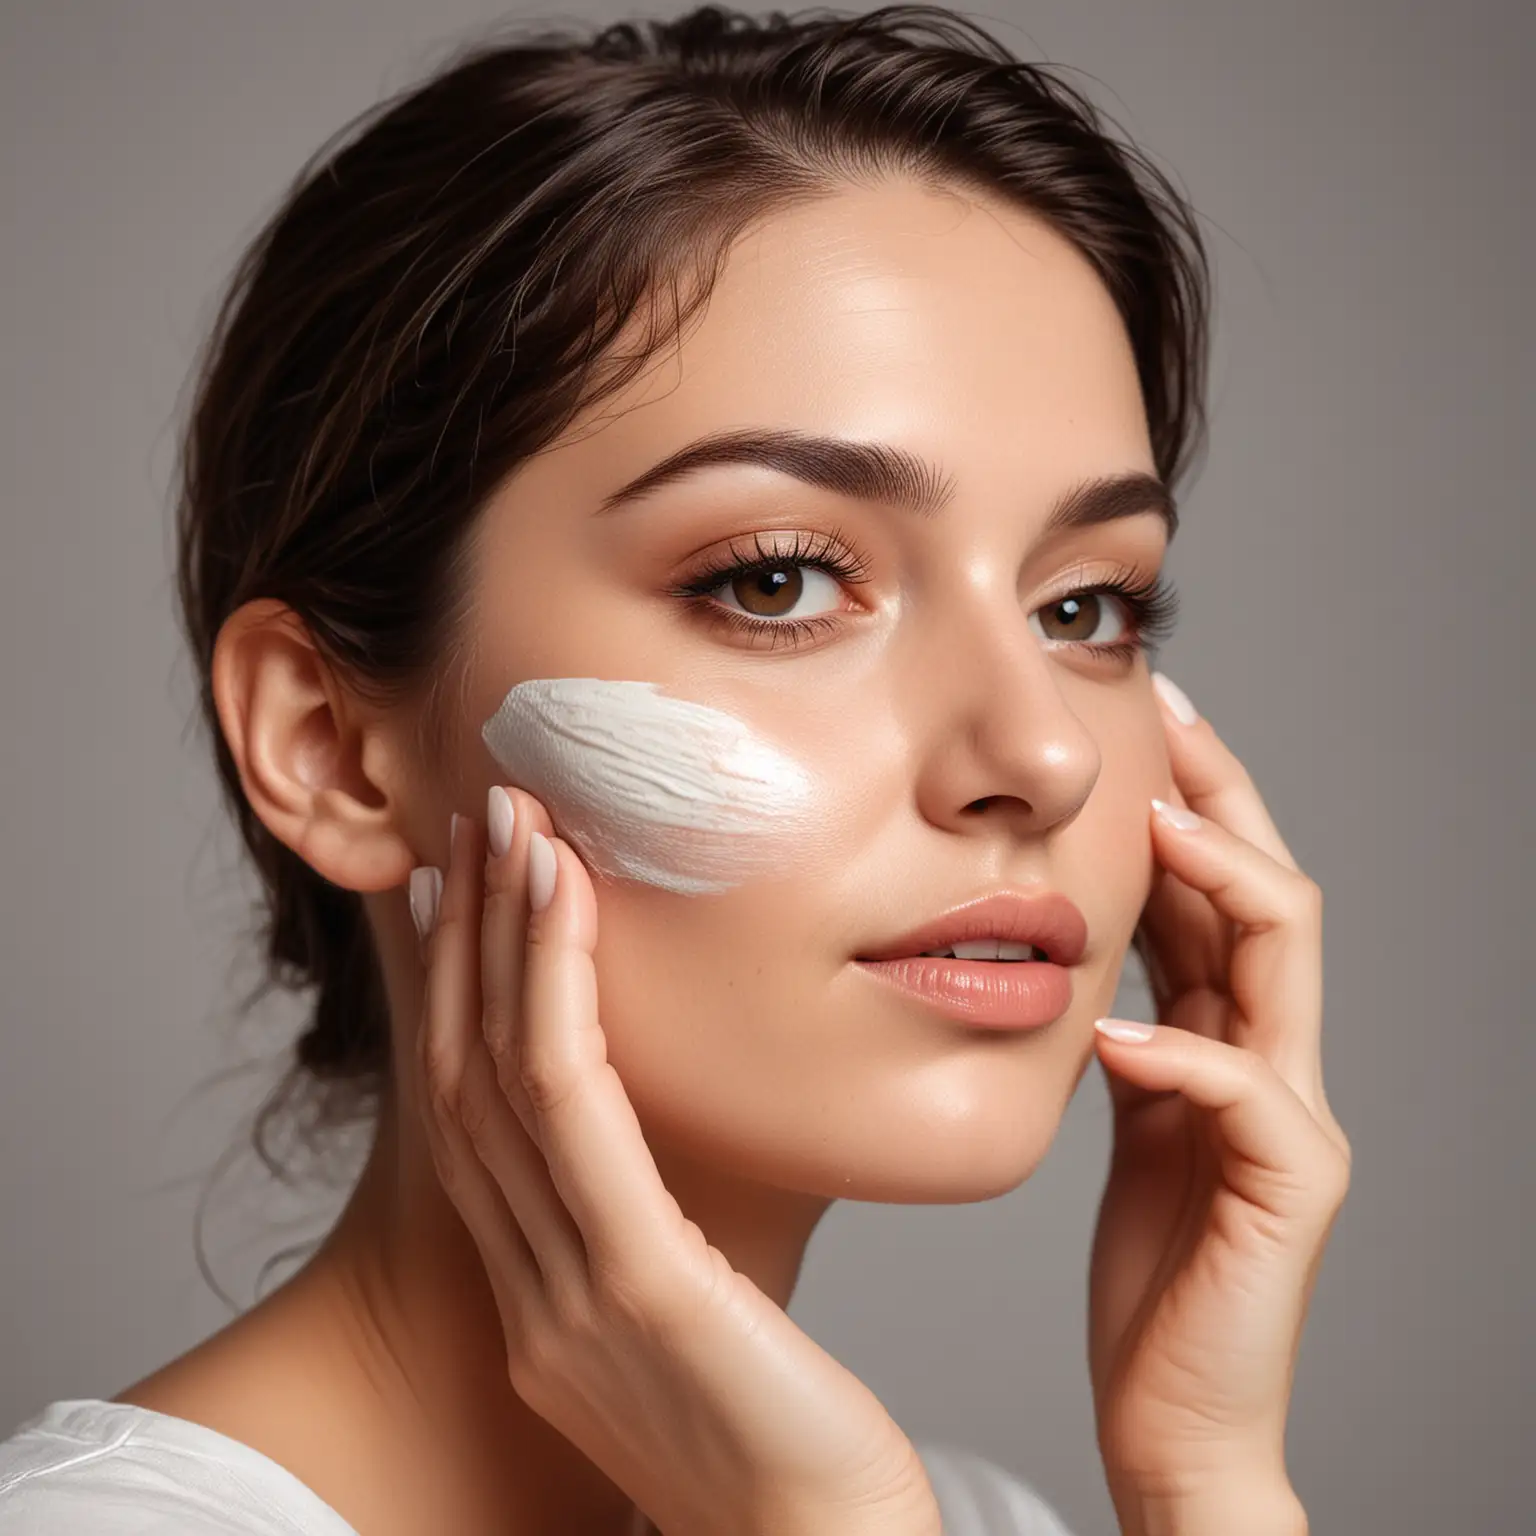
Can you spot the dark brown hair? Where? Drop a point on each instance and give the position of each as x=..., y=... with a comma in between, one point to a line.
x=440, y=292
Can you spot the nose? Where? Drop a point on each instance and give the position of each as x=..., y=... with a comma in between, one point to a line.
x=1000, y=746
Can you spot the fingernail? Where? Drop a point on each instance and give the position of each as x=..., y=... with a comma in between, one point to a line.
x=1176, y=816
x=453, y=832
x=426, y=888
x=1175, y=697
x=541, y=872
x=500, y=818
x=1126, y=1030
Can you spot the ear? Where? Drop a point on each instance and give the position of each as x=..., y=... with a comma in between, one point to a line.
x=323, y=773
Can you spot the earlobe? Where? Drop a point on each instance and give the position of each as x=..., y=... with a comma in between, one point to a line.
x=316, y=766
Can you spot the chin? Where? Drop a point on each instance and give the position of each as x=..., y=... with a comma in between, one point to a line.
x=958, y=1165
x=928, y=1155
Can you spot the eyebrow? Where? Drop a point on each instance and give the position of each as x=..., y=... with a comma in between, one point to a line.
x=882, y=472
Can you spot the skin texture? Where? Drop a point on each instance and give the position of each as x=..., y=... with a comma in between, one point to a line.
x=770, y=1076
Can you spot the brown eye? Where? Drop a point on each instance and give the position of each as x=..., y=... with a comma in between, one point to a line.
x=1073, y=619
x=773, y=591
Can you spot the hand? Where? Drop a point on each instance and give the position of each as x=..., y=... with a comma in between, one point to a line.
x=671, y=1372
x=1228, y=1167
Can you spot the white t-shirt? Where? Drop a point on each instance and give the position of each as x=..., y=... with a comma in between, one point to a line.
x=86, y=1467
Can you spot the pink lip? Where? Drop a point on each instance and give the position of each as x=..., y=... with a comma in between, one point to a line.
x=1045, y=919
x=992, y=994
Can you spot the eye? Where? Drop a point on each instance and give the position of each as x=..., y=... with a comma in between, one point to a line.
x=775, y=591
x=772, y=597
x=1148, y=607
x=1081, y=615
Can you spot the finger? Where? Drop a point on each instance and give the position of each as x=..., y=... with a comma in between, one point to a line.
x=515, y=818
x=520, y=1175
x=1271, y=1150
x=592, y=1141
x=449, y=1022
x=502, y=935
x=495, y=1109
x=1184, y=941
x=1144, y=1118
x=450, y=1004
x=1275, y=972
x=1211, y=780
x=1150, y=1201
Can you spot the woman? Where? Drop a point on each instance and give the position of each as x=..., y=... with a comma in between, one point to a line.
x=680, y=516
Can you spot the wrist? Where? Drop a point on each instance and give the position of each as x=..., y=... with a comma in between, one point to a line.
x=914, y=1512
x=1238, y=1508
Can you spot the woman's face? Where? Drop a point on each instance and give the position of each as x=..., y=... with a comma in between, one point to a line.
x=952, y=728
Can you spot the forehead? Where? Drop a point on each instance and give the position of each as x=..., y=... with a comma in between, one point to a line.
x=963, y=328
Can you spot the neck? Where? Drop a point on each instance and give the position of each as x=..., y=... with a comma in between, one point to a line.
x=401, y=1282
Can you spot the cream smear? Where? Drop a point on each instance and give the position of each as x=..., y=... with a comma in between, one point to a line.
x=651, y=788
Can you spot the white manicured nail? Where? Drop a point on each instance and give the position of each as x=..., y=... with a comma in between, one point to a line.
x=1128, y=1030
x=541, y=872
x=426, y=889
x=499, y=820
x=1175, y=697
x=1176, y=815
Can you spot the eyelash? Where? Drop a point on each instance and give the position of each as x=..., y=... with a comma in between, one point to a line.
x=1151, y=602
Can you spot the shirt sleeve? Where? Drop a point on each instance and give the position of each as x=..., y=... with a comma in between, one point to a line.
x=116, y=1495
x=979, y=1498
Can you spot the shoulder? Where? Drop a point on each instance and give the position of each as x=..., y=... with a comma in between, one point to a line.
x=94, y=1468
x=979, y=1498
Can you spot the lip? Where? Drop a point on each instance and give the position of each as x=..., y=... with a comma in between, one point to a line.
x=987, y=994
x=1046, y=919
x=990, y=994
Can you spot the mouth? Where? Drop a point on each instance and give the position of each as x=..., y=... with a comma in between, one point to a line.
x=999, y=962
x=1000, y=950
x=1006, y=927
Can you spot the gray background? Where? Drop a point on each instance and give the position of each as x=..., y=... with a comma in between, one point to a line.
x=1356, y=565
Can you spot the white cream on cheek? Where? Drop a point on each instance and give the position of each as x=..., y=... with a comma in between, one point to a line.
x=651, y=788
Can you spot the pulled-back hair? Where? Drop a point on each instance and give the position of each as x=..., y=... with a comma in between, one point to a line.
x=440, y=292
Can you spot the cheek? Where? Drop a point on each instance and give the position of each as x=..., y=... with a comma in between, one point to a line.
x=664, y=791
x=1134, y=768
x=715, y=1013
